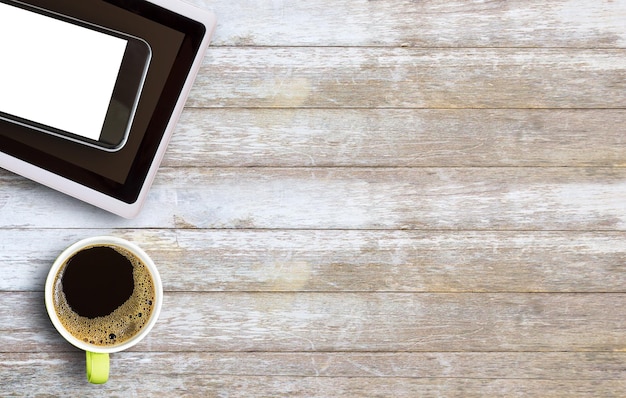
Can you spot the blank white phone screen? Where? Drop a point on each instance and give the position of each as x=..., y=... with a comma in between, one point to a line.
x=56, y=73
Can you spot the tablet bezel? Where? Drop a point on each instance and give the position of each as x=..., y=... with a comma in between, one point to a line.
x=126, y=199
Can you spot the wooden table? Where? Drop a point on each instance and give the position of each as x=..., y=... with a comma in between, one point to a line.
x=366, y=198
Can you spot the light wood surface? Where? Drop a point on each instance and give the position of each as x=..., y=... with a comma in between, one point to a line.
x=364, y=199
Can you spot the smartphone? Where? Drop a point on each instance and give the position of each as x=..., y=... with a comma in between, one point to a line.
x=67, y=77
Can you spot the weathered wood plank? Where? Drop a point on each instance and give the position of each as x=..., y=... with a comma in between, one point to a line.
x=158, y=385
x=398, y=137
x=347, y=198
x=380, y=322
x=164, y=373
x=479, y=365
x=411, y=78
x=444, y=198
x=430, y=23
x=345, y=261
x=454, y=241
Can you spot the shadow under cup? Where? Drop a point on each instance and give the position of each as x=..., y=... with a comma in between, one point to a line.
x=103, y=295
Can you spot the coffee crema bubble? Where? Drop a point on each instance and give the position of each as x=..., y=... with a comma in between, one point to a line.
x=104, y=295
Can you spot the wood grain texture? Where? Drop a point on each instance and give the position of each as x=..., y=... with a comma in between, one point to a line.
x=398, y=137
x=349, y=198
x=469, y=365
x=427, y=23
x=286, y=386
x=426, y=374
x=357, y=77
x=346, y=261
x=366, y=199
x=348, y=322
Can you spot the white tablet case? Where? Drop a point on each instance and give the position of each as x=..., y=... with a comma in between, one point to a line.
x=99, y=199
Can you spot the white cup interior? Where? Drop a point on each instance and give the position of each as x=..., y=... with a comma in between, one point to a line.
x=103, y=240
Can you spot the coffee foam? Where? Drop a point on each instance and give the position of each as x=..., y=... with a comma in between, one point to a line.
x=123, y=323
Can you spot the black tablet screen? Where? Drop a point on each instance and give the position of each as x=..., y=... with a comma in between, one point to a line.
x=90, y=85
x=174, y=41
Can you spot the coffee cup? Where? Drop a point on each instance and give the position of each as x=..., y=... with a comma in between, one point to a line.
x=103, y=295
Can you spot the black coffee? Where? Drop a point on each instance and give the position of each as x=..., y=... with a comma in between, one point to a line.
x=104, y=295
x=97, y=281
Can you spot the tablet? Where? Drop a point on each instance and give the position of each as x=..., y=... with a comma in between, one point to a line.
x=146, y=53
x=90, y=86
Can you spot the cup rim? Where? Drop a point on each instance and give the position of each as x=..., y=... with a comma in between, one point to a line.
x=103, y=240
